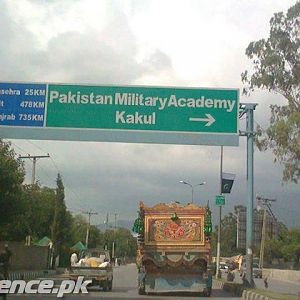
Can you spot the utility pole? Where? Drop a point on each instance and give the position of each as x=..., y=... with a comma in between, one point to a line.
x=89, y=213
x=218, y=274
x=262, y=241
x=113, y=245
x=265, y=202
x=237, y=231
x=34, y=160
x=106, y=221
x=116, y=221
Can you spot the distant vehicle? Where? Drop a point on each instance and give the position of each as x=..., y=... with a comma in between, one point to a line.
x=223, y=267
x=257, y=271
x=95, y=265
x=117, y=261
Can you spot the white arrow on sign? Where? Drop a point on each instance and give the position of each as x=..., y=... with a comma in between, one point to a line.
x=210, y=119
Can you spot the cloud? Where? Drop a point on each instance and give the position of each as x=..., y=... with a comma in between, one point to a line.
x=106, y=55
x=145, y=43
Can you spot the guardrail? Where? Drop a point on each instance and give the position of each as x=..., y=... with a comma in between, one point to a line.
x=28, y=275
x=283, y=275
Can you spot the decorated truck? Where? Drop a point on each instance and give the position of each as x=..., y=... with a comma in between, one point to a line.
x=173, y=248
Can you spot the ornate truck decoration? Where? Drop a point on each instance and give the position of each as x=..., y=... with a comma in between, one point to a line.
x=173, y=247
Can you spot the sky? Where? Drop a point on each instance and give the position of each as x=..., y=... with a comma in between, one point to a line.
x=151, y=43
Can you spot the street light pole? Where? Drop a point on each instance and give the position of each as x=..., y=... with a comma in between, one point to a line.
x=192, y=187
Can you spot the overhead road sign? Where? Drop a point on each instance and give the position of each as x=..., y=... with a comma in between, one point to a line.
x=165, y=115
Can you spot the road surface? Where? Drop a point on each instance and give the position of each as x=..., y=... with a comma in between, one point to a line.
x=125, y=287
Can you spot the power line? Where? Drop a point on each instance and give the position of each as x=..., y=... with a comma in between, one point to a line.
x=54, y=164
x=19, y=148
x=264, y=202
x=66, y=183
x=36, y=146
x=34, y=159
x=67, y=186
x=89, y=213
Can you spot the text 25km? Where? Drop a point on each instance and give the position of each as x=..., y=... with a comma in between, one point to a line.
x=35, y=92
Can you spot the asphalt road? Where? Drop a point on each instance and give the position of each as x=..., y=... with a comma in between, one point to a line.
x=125, y=287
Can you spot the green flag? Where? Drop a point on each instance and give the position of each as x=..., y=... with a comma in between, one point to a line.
x=227, y=182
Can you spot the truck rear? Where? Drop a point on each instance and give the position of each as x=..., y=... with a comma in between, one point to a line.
x=174, y=248
x=94, y=265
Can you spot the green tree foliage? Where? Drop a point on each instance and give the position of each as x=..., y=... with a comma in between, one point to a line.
x=41, y=211
x=125, y=243
x=291, y=247
x=62, y=222
x=286, y=247
x=79, y=228
x=276, y=67
x=228, y=235
x=35, y=214
x=273, y=250
x=11, y=179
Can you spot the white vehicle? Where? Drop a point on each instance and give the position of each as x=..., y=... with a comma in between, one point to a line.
x=223, y=267
x=257, y=271
x=95, y=265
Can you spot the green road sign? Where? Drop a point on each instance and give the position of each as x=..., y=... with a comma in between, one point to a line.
x=129, y=113
x=220, y=200
x=140, y=108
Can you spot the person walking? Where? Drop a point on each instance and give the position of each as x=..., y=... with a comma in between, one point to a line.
x=266, y=282
x=209, y=283
x=73, y=259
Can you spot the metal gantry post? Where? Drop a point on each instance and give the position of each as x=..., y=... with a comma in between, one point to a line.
x=249, y=108
x=249, y=229
x=218, y=274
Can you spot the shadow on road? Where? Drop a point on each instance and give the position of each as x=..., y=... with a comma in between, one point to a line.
x=217, y=293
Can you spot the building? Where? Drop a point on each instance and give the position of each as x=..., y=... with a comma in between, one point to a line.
x=271, y=227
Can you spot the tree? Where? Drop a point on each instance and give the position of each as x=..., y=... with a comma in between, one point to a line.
x=273, y=250
x=228, y=235
x=35, y=214
x=11, y=178
x=79, y=228
x=62, y=222
x=291, y=248
x=276, y=67
x=79, y=225
x=125, y=244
